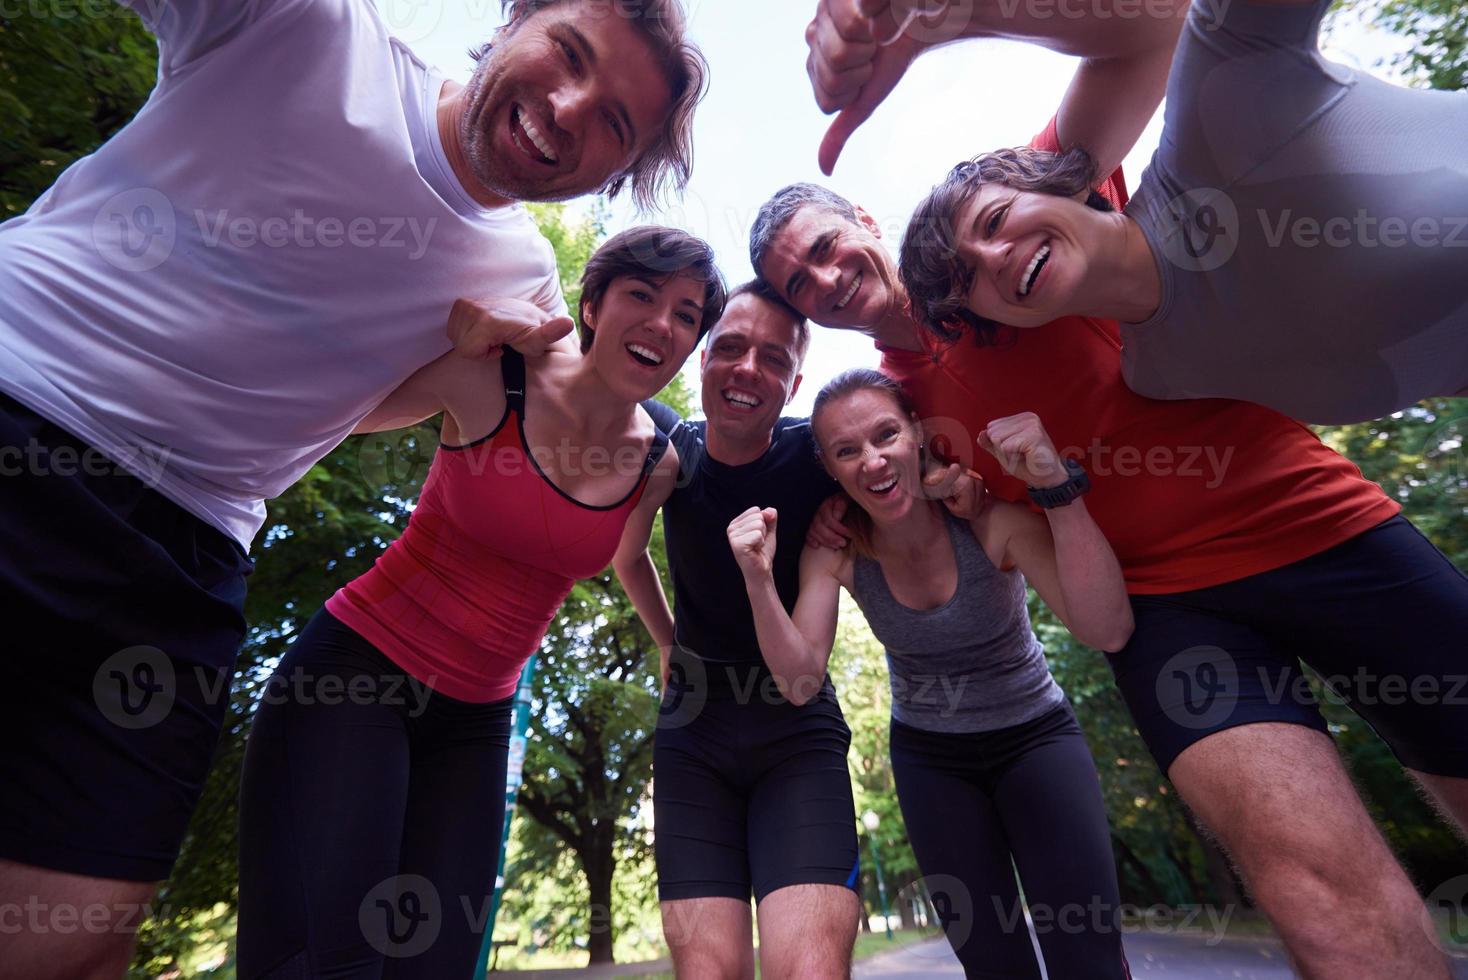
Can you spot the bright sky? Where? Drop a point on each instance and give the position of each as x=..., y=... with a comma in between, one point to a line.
x=759, y=128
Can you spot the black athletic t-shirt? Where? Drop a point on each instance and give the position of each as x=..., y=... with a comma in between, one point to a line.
x=711, y=613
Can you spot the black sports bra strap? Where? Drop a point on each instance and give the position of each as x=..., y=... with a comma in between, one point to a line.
x=658, y=450
x=512, y=367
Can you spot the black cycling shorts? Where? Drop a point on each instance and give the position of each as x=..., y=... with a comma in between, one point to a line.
x=750, y=792
x=126, y=616
x=1382, y=618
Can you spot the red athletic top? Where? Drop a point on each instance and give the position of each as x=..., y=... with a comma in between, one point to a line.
x=463, y=598
x=1189, y=493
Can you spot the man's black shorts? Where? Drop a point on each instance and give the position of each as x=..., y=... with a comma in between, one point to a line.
x=126, y=615
x=750, y=792
x=1382, y=618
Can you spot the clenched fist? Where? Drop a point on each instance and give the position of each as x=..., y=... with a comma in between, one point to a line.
x=752, y=538
x=1024, y=449
x=480, y=328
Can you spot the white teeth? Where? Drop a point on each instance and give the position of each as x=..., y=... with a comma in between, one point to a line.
x=741, y=398
x=540, y=141
x=885, y=486
x=646, y=352
x=855, y=285
x=1027, y=281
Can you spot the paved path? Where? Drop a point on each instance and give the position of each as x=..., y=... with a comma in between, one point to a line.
x=1153, y=957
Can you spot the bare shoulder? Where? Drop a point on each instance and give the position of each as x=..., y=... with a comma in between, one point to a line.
x=998, y=523
x=826, y=562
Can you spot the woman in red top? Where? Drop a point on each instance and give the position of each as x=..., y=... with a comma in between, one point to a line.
x=375, y=772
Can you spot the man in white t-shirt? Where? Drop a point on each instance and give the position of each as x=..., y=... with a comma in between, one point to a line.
x=193, y=315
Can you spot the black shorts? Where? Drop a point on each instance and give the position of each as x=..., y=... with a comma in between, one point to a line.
x=750, y=792
x=1382, y=618
x=127, y=615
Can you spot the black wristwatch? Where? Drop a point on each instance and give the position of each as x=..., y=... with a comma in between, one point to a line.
x=1078, y=483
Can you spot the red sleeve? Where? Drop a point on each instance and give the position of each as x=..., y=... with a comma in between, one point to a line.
x=1113, y=188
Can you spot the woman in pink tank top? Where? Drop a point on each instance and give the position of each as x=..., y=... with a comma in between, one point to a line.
x=374, y=778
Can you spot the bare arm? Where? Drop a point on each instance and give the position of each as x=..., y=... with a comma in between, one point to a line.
x=418, y=398
x=855, y=62
x=796, y=648
x=1064, y=555
x=1067, y=559
x=635, y=568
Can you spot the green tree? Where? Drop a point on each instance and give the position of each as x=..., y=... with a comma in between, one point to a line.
x=71, y=75
x=1438, y=30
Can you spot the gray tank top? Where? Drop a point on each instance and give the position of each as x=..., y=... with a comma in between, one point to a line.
x=971, y=665
x=1309, y=223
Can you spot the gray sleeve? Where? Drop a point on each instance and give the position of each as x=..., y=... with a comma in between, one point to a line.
x=1245, y=80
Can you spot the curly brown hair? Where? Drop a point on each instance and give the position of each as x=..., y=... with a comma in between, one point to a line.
x=936, y=281
x=668, y=162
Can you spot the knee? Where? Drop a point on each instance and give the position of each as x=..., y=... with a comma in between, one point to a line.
x=708, y=961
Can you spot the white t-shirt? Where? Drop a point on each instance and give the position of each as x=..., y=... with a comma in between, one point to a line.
x=222, y=291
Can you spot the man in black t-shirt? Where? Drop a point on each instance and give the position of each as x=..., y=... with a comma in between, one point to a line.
x=752, y=792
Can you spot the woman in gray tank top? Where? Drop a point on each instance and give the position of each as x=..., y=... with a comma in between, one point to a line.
x=1298, y=240
x=992, y=772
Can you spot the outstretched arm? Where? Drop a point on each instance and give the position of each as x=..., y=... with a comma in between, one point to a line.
x=796, y=648
x=856, y=61
x=479, y=330
x=635, y=568
x=1063, y=555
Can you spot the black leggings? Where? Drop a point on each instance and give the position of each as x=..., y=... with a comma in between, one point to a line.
x=370, y=818
x=980, y=806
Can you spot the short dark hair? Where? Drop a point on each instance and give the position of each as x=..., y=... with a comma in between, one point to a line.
x=669, y=160
x=786, y=203
x=857, y=520
x=657, y=254
x=935, y=280
x=763, y=291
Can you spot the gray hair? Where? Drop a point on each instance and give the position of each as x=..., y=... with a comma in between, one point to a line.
x=777, y=212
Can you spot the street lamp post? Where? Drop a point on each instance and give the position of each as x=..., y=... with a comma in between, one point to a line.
x=870, y=820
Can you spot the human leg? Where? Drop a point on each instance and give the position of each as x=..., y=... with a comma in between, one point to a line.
x=963, y=851
x=322, y=801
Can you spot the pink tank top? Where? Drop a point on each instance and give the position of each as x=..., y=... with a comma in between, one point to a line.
x=464, y=597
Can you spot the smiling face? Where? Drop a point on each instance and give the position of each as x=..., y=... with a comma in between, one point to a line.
x=833, y=271
x=567, y=99
x=750, y=369
x=644, y=331
x=873, y=450
x=1025, y=254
